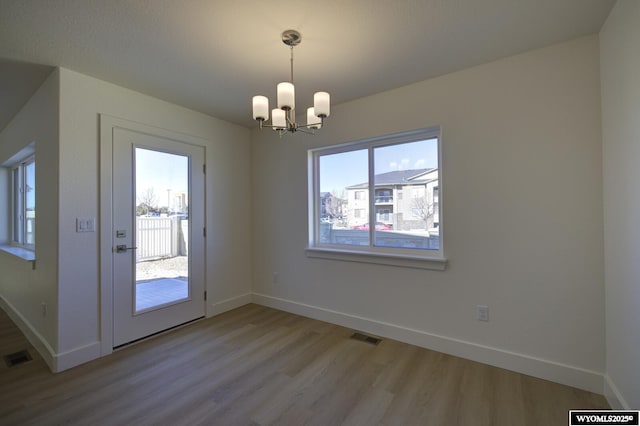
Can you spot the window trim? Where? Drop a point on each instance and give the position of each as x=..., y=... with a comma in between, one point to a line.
x=8, y=247
x=403, y=257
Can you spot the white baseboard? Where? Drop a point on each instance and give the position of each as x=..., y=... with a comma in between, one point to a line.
x=39, y=343
x=56, y=361
x=228, y=304
x=65, y=360
x=545, y=369
x=613, y=395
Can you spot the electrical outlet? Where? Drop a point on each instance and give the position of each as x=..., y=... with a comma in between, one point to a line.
x=482, y=312
x=44, y=309
x=276, y=278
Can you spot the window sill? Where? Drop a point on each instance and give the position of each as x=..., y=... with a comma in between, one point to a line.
x=24, y=254
x=401, y=260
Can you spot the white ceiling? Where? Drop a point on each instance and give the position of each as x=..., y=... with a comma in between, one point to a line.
x=214, y=55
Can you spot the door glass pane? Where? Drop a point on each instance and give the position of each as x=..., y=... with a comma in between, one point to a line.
x=162, y=229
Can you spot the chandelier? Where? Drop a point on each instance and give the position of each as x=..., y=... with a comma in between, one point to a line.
x=283, y=118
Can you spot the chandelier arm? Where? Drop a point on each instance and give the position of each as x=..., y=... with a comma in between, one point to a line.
x=269, y=126
x=312, y=126
x=303, y=130
x=306, y=126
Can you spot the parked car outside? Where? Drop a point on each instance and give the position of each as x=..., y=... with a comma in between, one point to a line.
x=379, y=227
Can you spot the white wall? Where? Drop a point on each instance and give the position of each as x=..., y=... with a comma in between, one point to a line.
x=82, y=99
x=522, y=200
x=22, y=288
x=620, y=69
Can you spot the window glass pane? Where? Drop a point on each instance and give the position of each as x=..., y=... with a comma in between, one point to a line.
x=30, y=203
x=411, y=169
x=16, y=203
x=344, y=198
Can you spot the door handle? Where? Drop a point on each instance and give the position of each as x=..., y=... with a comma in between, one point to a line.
x=123, y=247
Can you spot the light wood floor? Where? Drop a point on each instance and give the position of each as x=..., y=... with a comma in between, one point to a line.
x=259, y=366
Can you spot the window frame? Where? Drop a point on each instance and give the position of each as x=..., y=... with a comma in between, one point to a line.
x=405, y=257
x=19, y=203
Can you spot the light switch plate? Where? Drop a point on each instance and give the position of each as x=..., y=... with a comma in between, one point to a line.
x=482, y=313
x=86, y=224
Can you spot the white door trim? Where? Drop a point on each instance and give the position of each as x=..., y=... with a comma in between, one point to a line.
x=107, y=124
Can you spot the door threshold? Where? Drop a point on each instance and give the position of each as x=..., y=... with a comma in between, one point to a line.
x=157, y=334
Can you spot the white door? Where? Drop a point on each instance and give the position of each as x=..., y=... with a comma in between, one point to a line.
x=158, y=234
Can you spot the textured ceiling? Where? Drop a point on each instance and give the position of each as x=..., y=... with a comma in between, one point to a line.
x=213, y=56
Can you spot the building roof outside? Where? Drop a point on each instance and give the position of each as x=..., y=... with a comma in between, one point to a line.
x=397, y=177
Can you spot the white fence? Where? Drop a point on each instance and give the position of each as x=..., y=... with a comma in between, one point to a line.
x=396, y=239
x=161, y=237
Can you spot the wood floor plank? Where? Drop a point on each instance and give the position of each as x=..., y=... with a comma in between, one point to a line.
x=258, y=366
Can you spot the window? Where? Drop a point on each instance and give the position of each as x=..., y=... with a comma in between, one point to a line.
x=23, y=208
x=365, y=175
x=384, y=215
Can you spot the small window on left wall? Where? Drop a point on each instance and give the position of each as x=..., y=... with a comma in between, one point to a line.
x=23, y=203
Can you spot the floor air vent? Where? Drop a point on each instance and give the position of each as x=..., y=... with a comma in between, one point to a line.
x=17, y=358
x=364, y=338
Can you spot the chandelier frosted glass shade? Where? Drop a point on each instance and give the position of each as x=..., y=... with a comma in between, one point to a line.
x=322, y=104
x=286, y=96
x=279, y=119
x=313, y=121
x=260, y=108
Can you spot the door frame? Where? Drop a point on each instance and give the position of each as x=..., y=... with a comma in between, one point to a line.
x=107, y=124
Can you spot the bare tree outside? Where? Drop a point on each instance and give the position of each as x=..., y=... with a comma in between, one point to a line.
x=422, y=208
x=335, y=206
x=147, y=202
